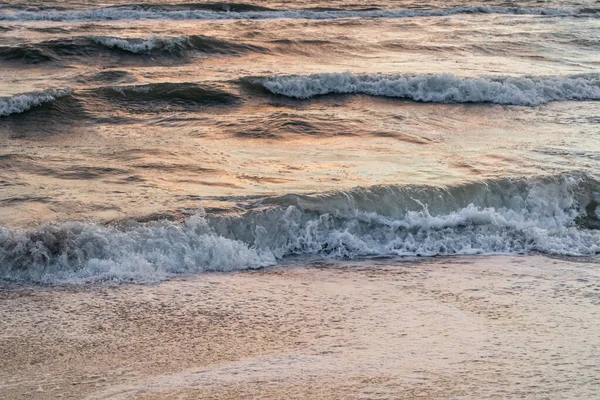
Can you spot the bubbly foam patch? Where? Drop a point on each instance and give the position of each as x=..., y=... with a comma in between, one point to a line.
x=495, y=217
x=442, y=88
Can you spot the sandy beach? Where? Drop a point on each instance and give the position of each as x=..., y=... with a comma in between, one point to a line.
x=451, y=328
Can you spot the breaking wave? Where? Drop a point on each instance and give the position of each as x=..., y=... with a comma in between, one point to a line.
x=439, y=88
x=221, y=12
x=556, y=215
x=444, y=88
x=34, y=53
x=177, y=45
x=20, y=103
x=173, y=94
x=145, y=46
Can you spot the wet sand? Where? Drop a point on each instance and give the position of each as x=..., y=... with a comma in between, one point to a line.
x=472, y=328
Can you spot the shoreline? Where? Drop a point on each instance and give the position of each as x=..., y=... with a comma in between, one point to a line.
x=461, y=327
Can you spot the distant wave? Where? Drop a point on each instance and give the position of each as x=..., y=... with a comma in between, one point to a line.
x=217, y=7
x=24, y=102
x=440, y=88
x=204, y=12
x=556, y=215
x=85, y=46
x=145, y=46
x=176, y=45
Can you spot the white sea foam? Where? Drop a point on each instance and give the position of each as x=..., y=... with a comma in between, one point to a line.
x=79, y=252
x=500, y=218
x=142, y=45
x=136, y=13
x=442, y=88
x=23, y=102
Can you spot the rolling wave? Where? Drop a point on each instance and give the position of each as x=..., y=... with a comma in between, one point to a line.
x=203, y=12
x=20, y=103
x=177, y=45
x=167, y=92
x=439, y=88
x=106, y=77
x=58, y=49
x=556, y=215
x=172, y=94
x=217, y=7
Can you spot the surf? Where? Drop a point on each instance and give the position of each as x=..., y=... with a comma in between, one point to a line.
x=439, y=88
x=554, y=215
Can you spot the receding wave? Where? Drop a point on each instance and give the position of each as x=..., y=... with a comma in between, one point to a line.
x=552, y=215
x=439, y=88
x=20, y=103
x=203, y=12
x=58, y=49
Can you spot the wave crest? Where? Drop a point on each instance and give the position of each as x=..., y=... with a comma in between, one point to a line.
x=25, y=101
x=441, y=88
x=141, y=45
x=553, y=215
x=176, y=45
x=52, y=50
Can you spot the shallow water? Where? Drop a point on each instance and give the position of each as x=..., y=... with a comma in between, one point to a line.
x=454, y=328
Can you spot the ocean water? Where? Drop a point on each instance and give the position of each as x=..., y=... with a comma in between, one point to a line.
x=139, y=142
